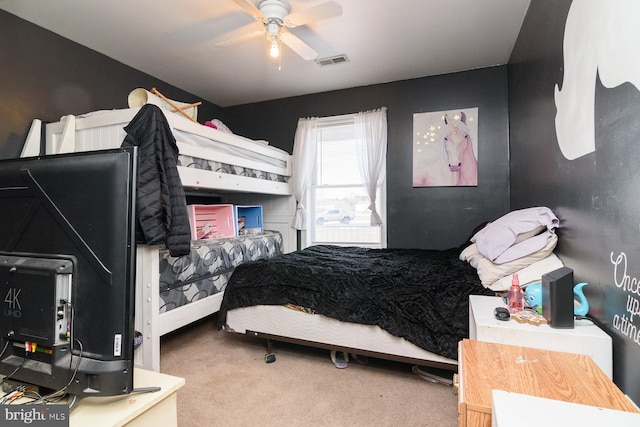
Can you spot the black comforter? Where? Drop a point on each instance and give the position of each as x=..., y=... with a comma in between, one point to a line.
x=420, y=295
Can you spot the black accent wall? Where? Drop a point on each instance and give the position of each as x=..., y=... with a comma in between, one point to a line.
x=46, y=76
x=595, y=196
x=428, y=218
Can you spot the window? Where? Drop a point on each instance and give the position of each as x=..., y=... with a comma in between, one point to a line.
x=338, y=202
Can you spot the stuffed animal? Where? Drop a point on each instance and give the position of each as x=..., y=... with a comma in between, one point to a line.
x=533, y=297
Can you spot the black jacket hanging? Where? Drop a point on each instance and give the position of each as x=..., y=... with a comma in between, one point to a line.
x=161, y=206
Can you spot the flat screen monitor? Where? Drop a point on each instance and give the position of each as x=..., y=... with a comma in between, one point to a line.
x=67, y=271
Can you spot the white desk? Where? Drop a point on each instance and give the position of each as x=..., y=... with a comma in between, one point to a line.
x=521, y=410
x=137, y=409
x=585, y=338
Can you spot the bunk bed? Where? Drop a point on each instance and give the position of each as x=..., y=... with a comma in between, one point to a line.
x=211, y=162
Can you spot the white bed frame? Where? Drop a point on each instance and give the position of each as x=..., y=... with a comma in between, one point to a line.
x=105, y=131
x=284, y=324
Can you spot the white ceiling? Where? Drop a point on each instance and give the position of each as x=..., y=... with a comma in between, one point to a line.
x=384, y=40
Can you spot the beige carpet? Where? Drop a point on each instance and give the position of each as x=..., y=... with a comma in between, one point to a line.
x=228, y=383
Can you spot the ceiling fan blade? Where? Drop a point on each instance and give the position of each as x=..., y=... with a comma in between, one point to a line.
x=311, y=14
x=245, y=32
x=298, y=46
x=249, y=8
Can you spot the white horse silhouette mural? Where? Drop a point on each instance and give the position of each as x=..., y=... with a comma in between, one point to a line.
x=600, y=39
x=445, y=147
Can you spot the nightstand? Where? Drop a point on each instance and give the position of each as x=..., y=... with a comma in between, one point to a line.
x=585, y=338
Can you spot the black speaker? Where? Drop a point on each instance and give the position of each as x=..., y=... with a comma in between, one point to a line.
x=557, y=298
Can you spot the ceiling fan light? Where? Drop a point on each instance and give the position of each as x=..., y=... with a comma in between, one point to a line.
x=273, y=27
x=275, y=50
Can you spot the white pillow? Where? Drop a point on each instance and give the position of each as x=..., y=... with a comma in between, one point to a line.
x=529, y=274
x=490, y=272
x=516, y=234
x=220, y=126
x=471, y=255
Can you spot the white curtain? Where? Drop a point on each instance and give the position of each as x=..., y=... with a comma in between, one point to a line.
x=304, y=157
x=371, y=129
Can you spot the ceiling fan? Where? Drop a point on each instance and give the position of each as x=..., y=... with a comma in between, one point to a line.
x=273, y=18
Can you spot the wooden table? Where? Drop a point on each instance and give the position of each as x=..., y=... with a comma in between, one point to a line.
x=484, y=367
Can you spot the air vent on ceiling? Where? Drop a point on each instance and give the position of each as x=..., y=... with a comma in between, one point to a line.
x=332, y=60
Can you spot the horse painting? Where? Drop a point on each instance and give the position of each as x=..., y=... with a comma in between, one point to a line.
x=449, y=159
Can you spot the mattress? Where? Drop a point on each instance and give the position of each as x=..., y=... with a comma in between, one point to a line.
x=237, y=161
x=280, y=321
x=206, y=270
x=227, y=168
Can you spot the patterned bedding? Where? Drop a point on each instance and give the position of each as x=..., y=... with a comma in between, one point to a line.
x=206, y=270
x=211, y=165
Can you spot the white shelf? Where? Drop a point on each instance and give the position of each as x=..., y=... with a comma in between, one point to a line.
x=507, y=412
x=585, y=338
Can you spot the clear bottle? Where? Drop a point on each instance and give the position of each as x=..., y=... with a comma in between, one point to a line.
x=515, y=296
